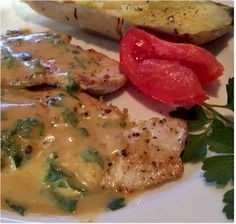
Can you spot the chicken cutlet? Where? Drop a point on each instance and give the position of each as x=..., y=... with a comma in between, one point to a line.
x=67, y=148
x=31, y=59
x=151, y=155
x=96, y=144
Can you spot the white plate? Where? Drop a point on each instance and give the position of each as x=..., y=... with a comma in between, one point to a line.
x=189, y=199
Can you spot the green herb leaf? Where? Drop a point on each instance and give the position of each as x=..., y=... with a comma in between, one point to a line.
x=13, y=32
x=25, y=56
x=230, y=94
x=29, y=127
x=217, y=133
x=69, y=117
x=18, y=208
x=90, y=155
x=57, y=178
x=123, y=124
x=79, y=187
x=19, y=41
x=229, y=207
x=84, y=132
x=38, y=72
x=55, y=38
x=70, y=84
x=81, y=61
x=56, y=101
x=26, y=128
x=11, y=149
x=63, y=183
x=195, y=148
x=116, y=204
x=219, y=169
x=54, y=173
x=221, y=138
x=65, y=203
x=38, y=67
x=7, y=58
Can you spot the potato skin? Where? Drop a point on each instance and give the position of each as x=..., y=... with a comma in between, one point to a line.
x=191, y=21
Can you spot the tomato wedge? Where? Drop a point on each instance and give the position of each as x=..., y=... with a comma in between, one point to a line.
x=167, y=79
x=145, y=58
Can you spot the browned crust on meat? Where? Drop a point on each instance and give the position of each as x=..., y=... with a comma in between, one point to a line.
x=147, y=160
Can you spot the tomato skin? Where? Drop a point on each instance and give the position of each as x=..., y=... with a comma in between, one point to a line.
x=167, y=79
x=169, y=72
x=143, y=45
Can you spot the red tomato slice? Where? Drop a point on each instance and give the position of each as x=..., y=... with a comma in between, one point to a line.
x=168, y=82
x=139, y=45
x=168, y=72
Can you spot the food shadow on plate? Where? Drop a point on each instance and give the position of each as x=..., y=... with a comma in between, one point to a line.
x=212, y=89
x=27, y=14
x=113, y=95
x=146, y=101
x=216, y=46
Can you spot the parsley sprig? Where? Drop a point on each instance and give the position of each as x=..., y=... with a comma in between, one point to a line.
x=210, y=130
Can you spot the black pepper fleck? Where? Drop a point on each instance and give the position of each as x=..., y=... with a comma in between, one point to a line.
x=154, y=164
x=124, y=152
x=107, y=110
x=75, y=14
x=28, y=149
x=135, y=134
x=75, y=109
x=86, y=114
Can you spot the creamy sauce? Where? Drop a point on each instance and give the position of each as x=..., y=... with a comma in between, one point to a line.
x=55, y=147
x=47, y=58
x=61, y=150
x=66, y=140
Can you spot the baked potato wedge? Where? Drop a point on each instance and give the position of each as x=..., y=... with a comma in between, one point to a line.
x=196, y=22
